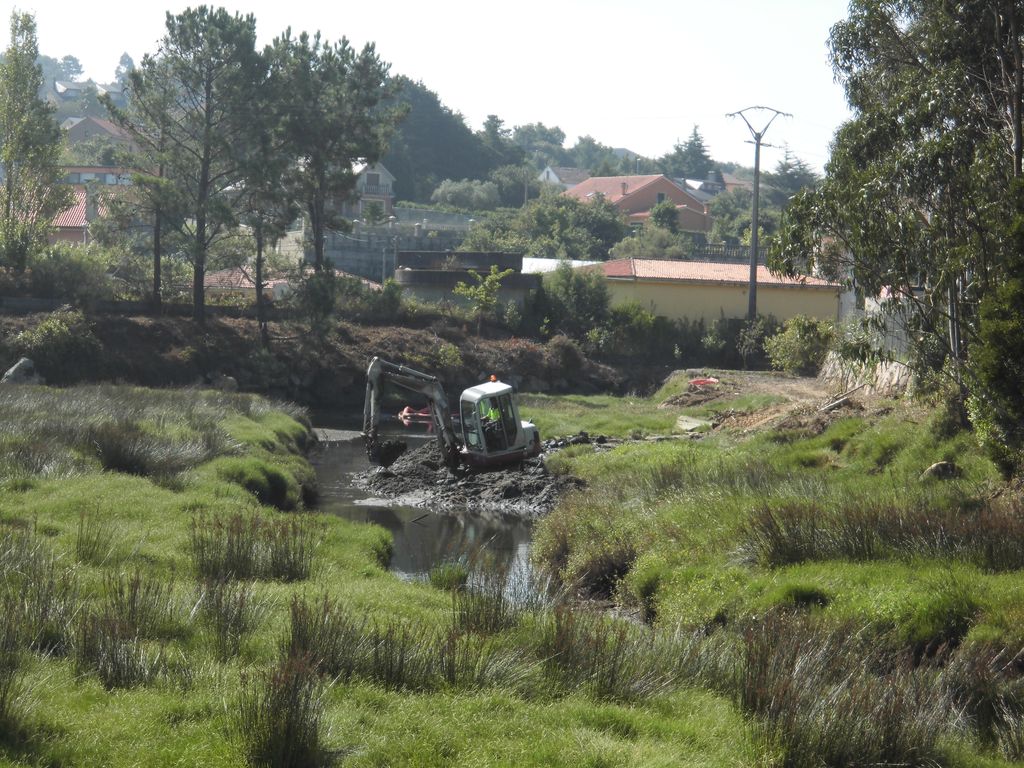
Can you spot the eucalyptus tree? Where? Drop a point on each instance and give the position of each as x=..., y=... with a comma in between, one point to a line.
x=915, y=200
x=338, y=116
x=30, y=146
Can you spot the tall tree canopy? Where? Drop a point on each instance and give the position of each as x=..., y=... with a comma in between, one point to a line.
x=553, y=226
x=208, y=66
x=432, y=143
x=689, y=160
x=336, y=118
x=30, y=144
x=917, y=194
x=542, y=145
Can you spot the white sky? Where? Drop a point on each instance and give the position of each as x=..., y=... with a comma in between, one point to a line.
x=638, y=77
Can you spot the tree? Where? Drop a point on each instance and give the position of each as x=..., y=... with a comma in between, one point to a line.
x=542, y=145
x=578, y=299
x=337, y=116
x=148, y=118
x=731, y=217
x=468, y=195
x=665, y=215
x=72, y=67
x=432, y=143
x=30, y=145
x=497, y=142
x=205, y=74
x=516, y=184
x=653, y=242
x=918, y=192
x=921, y=189
x=125, y=65
x=483, y=297
x=791, y=174
x=589, y=153
x=268, y=204
x=689, y=160
x=553, y=226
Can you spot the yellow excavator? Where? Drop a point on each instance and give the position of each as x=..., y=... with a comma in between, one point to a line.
x=490, y=431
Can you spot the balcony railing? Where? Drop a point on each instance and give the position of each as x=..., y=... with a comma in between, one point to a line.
x=376, y=190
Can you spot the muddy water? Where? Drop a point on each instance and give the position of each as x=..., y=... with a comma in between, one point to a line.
x=422, y=538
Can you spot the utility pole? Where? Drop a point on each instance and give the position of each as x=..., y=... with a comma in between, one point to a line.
x=757, y=135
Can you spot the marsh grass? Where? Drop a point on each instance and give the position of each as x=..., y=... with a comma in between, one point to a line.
x=94, y=540
x=985, y=682
x=48, y=601
x=485, y=605
x=144, y=605
x=106, y=646
x=833, y=696
x=122, y=638
x=280, y=715
x=12, y=663
x=449, y=576
x=253, y=547
x=158, y=434
x=233, y=611
x=39, y=592
x=607, y=659
x=989, y=535
x=397, y=655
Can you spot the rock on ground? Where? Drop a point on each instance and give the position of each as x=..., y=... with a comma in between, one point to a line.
x=22, y=372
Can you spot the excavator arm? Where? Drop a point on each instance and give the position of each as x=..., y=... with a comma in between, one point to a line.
x=380, y=372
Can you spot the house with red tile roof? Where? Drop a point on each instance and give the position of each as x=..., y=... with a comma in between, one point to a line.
x=636, y=195
x=72, y=224
x=708, y=290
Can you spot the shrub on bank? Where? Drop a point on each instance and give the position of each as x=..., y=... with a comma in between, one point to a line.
x=62, y=346
x=800, y=347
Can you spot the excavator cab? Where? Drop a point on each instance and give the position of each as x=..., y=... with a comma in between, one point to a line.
x=490, y=431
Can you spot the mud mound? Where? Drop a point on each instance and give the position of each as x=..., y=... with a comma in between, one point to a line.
x=420, y=478
x=811, y=422
x=693, y=396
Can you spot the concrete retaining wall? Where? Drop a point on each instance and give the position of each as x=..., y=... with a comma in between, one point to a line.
x=889, y=379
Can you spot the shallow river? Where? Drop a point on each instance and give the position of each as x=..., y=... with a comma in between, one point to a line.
x=422, y=538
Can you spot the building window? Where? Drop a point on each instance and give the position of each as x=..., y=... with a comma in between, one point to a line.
x=661, y=197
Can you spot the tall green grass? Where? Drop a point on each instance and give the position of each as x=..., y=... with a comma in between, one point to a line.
x=253, y=547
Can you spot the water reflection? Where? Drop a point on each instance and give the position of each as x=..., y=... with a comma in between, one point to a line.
x=421, y=538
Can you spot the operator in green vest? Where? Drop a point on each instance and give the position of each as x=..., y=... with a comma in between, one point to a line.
x=490, y=418
x=492, y=414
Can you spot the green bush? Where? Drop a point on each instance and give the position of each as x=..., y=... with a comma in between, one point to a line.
x=564, y=354
x=74, y=273
x=800, y=347
x=996, y=404
x=735, y=342
x=62, y=346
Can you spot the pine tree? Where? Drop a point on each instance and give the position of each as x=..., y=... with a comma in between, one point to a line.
x=30, y=145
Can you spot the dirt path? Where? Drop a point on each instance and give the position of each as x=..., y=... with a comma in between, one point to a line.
x=804, y=396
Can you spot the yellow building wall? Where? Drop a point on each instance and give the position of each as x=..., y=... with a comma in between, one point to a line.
x=695, y=301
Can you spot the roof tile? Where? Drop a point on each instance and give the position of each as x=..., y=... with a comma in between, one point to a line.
x=702, y=272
